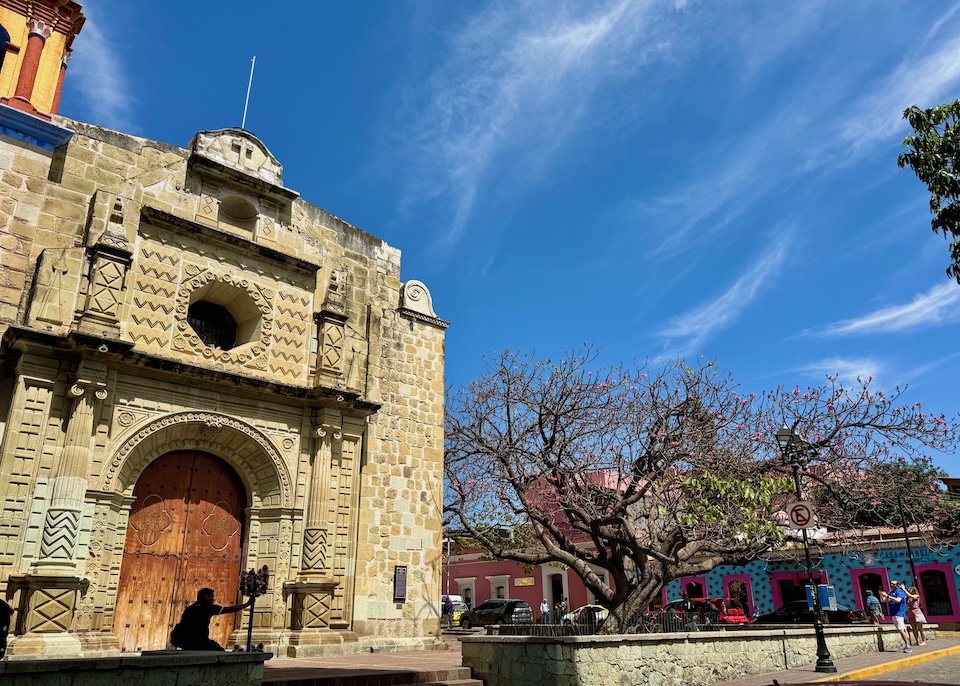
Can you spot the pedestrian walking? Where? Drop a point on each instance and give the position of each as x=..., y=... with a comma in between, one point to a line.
x=897, y=609
x=447, y=613
x=874, y=608
x=915, y=616
x=544, y=612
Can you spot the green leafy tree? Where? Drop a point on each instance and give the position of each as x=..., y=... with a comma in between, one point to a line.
x=934, y=157
x=635, y=476
x=877, y=494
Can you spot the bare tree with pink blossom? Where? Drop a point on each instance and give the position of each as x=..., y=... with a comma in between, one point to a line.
x=635, y=476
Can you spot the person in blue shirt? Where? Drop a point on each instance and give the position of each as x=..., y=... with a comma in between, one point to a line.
x=897, y=605
x=874, y=611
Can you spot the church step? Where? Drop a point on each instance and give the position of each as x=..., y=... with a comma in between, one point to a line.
x=456, y=676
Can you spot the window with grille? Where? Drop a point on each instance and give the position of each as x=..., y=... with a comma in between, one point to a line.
x=213, y=323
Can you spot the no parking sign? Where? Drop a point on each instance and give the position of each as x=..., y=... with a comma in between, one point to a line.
x=800, y=515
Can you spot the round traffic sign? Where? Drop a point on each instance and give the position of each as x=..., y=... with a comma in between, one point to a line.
x=800, y=515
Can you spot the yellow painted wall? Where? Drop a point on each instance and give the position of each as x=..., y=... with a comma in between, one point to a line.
x=45, y=87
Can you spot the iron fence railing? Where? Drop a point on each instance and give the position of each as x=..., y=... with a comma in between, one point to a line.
x=647, y=623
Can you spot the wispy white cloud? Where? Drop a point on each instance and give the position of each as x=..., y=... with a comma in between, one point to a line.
x=700, y=323
x=817, y=127
x=846, y=369
x=516, y=85
x=99, y=80
x=923, y=81
x=939, y=305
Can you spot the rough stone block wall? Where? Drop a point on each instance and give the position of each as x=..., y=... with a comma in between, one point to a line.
x=695, y=659
x=157, y=209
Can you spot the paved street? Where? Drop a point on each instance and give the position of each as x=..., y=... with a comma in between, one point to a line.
x=945, y=670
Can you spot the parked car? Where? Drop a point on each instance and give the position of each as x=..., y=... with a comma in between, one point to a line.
x=497, y=611
x=797, y=612
x=693, y=614
x=710, y=610
x=588, y=614
x=459, y=607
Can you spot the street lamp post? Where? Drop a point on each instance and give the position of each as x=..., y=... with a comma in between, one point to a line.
x=792, y=447
x=906, y=539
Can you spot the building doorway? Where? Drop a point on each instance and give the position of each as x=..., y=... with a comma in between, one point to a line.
x=935, y=590
x=185, y=532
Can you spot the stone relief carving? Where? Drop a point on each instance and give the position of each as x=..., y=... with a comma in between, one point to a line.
x=414, y=296
x=239, y=150
x=57, y=281
x=147, y=432
x=186, y=339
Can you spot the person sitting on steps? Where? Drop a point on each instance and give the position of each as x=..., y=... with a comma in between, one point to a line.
x=192, y=632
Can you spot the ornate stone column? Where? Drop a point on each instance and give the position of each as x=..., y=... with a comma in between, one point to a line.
x=67, y=54
x=345, y=495
x=312, y=592
x=46, y=598
x=39, y=33
x=330, y=330
x=67, y=489
x=110, y=255
x=317, y=519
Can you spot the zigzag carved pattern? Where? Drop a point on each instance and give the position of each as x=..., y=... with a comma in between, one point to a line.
x=293, y=342
x=292, y=312
x=295, y=298
x=157, y=272
x=152, y=304
x=52, y=610
x=283, y=370
x=287, y=355
x=161, y=256
x=148, y=336
x=291, y=326
x=59, y=535
x=155, y=289
x=314, y=548
x=150, y=321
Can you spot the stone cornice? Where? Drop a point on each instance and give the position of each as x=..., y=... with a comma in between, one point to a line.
x=122, y=355
x=208, y=234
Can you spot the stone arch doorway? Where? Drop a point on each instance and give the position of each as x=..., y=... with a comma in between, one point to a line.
x=185, y=532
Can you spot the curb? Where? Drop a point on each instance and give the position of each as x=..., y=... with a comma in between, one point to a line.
x=867, y=672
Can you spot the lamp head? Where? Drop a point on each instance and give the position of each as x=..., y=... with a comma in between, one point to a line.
x=786, y=436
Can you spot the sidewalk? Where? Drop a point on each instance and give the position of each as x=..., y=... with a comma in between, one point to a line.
x=861, y=666
x=363, y=664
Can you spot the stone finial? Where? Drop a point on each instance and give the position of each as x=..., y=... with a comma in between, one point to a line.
x=239, y=150
x=415, y=297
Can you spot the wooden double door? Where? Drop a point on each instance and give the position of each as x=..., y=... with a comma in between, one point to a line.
x=185, y=533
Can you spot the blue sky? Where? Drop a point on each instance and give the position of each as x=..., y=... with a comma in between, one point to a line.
x=660, y=179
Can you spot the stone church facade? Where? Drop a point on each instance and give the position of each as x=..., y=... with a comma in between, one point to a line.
x=200, y=374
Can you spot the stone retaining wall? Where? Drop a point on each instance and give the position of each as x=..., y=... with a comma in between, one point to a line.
x=162, y=669
x=681, y=659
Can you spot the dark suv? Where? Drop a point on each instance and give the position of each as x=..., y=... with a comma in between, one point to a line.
x=497, y=611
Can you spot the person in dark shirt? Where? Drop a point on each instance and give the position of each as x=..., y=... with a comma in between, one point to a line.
x=193, y=630
x=6, y=612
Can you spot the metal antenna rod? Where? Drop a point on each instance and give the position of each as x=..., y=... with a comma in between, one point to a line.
x=246, y=102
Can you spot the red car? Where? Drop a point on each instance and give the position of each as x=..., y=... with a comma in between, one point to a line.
x=706, y=611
